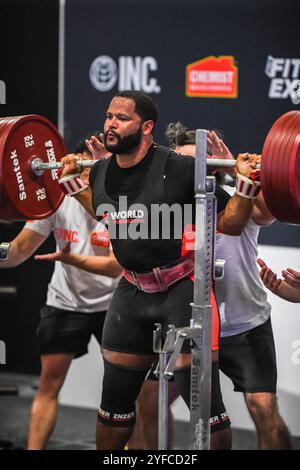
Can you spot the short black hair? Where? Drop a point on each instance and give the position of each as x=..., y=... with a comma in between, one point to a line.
x=81, y=145
x=145, y=107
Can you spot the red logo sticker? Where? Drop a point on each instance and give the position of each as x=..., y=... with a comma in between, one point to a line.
x=100, y=239
x=212, y=77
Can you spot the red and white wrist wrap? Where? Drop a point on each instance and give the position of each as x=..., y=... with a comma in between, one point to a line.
x=247, y=187
x=72, y=184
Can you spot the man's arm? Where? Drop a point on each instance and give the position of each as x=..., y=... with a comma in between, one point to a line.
x=105, y=265
x=237, y=212
x=239, y=208
x=287, y=292
x=22, y=247
x=261, y=214
x=291, y=277
x=84, y=197
x=278, y=286
x=235, y=216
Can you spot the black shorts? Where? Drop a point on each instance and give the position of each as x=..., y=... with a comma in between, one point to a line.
x=249, y=359
x=132, y=315
x=64, y=331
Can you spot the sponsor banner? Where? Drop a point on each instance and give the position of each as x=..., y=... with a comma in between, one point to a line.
x=125, y=73
x=175, y=55
x=212, y=77
x=284, y=75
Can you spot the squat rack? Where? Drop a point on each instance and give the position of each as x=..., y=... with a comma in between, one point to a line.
x=199, y=333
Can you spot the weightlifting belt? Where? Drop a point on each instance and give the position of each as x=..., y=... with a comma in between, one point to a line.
x=159, y=279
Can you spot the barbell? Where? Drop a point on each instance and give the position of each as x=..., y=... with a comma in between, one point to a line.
x=31, y=144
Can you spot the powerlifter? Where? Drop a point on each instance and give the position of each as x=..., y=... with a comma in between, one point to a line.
x=157, y=284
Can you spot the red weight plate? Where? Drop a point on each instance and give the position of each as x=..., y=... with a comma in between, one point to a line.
x=287, y=157
x=283, y=201
x=295, y=177
x=281, y=170
x=279, y=164
x=271, y=165
x=281, y=198
x=6, y=211
x=24, y=195
x=280, y=135
x=268, y=164
x=286, y=161
x=3, y=202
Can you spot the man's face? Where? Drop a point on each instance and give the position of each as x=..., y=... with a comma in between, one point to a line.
x=123, y=126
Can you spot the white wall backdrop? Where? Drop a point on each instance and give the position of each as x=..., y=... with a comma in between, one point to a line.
x=83, y=383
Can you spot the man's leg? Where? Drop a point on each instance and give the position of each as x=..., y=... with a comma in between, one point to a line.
x=220, y=426
x=249, y=360
x=124, y=375
x=145, y=435
x=221, y=440
x=272, y=432
x=44, y=407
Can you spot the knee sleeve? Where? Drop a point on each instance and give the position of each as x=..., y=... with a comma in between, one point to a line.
x=120, y=389
x=219, y=416
x=183, y=382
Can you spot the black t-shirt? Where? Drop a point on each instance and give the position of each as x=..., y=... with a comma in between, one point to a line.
x=128, y=181
x=162, y=177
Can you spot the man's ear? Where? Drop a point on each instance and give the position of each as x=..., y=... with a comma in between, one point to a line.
x=147, y=127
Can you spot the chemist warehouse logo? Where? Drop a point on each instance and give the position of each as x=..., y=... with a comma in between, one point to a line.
x=212, y=77
x=127, y=73
x=284, y=77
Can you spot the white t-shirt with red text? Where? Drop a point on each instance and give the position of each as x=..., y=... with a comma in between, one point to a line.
x=71, y=288
x=241, y=296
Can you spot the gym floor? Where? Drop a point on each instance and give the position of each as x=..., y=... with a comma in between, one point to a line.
x=75, y=429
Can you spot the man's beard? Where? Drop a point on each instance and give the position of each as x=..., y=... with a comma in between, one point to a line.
x=125, y=144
